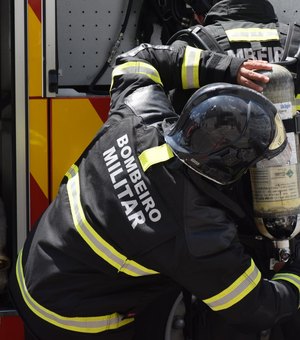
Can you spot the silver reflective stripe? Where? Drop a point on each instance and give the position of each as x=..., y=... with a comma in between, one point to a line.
x=94, y=240
x=292, y=278
x=252, y=34
x=137, y=67
x=190, y=68
x=93, y=324
x=240, y=288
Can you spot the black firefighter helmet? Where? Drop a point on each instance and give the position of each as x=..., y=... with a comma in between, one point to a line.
x=224, y=129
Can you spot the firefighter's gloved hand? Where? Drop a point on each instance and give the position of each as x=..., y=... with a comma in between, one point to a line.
x=293, y=265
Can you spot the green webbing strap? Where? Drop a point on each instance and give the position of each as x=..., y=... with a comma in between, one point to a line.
x=155, y=155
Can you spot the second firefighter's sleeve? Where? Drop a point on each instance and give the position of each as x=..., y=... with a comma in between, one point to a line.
x=182, y=67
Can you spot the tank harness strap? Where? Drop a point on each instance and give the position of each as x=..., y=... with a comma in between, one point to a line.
x=216, y=194
x=219, y=35
x=289, y=34
x=289, y=37
x=283, y=30
x=205, y=38
x=255, y=46
x=208, y=38
x=292, y=124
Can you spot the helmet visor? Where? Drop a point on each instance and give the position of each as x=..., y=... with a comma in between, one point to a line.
x=229, y=135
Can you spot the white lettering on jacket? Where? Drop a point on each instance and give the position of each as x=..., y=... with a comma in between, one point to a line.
x=271, y=54
x=127, y=181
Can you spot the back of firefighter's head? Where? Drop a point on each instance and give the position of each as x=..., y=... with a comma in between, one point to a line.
x=201, y=7
x=224, y=129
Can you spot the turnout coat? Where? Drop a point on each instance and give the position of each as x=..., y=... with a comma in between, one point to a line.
x=130, y=222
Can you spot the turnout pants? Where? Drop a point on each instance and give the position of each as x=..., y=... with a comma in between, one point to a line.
x=149, y=324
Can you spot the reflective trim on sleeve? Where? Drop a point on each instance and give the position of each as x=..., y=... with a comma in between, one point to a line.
x=155, y=155
x=137, y=67
x=94, y=240
x=93, y=324
x=190, y=68
x=252, y=34
x=298, y=102
x=236, y=291
x=291, y=278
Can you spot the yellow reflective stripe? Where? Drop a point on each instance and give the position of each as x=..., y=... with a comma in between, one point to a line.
x=252, y=34
x=94, y=324
x=137, y=67
x=190, y=68
x=236, y=291
x=298, y=102
x=94, y=240
x=155, y=155
x=292, y=278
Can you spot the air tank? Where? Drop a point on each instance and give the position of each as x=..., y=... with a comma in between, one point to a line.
x=275, y=183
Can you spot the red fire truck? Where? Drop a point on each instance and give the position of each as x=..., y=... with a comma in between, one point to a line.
x=56, y=59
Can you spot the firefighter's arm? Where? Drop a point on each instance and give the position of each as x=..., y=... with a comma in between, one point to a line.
x=181, y=67
x=214, y=267
x=239, y=71
x=185, y=67
x=228, y=281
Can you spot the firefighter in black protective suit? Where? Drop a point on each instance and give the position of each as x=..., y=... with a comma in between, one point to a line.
x=134, y=221
x=244, y=28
